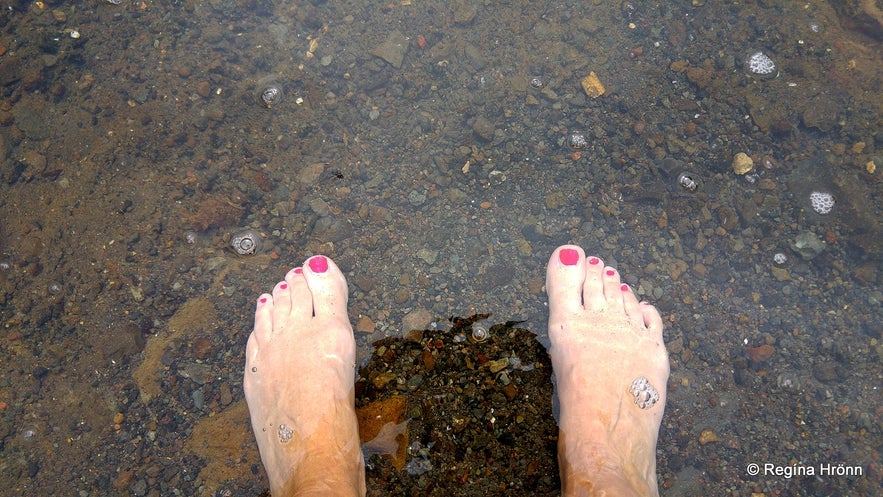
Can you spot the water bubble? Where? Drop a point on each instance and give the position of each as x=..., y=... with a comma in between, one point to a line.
x=246, y=242
x=269, y=92
x=191, y=237
x=480, y=333
x=536, y=82
x=822, y=202
x=688, y=181
x=5, y=265
x=751, y=178
x=285, y=433
x=759, y=64
x=28, y=434
x=645, y=394
x=55, y=288
x=577, y=140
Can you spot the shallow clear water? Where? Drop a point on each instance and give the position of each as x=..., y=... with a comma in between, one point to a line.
x=438, y=152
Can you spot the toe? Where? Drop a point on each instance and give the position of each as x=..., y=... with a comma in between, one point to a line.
x=281, y=303
x=632, y=306
x=263, y=317
x=593, y=287
x=301, y=299
x=652, y=320
x=613, y=293
x=565, y=275
x=327, y=287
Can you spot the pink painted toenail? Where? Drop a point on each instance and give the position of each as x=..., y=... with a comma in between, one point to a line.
x=610, y=272
x=298, y=270
x=319, y=264
x=594, y=261
x=283, y=286
x=568, y=257
x=263, y=300
x=624, y=287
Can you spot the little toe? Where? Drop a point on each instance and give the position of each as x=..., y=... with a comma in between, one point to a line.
x=652, y=320
x=565, y=275
x=632, y=306
x=328, y=287
x=263, y=329
x=263, y=317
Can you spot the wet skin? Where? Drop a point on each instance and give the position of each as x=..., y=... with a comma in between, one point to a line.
x=299, y=381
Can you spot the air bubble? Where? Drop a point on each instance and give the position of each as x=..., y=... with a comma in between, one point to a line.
x=284, y=433
x=645, y=394
x=254, y=369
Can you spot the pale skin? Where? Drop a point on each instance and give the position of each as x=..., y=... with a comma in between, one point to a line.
x=299, y=375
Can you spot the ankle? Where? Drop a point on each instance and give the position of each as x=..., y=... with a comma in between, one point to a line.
x=341, y=474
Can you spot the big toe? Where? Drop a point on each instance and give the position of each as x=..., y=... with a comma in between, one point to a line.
x=565, y=275
x=327, y=286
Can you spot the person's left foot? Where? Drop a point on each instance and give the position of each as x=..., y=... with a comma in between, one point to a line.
x=299, y=374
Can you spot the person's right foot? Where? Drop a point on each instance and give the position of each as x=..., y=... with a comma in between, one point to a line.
x=611, y=368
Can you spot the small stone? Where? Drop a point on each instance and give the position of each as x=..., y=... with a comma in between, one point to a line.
x=592, y=85
x=202, y=346
x=760, y=353
x=708, y=436
x=118, y=418
x=483, y=129
x=392, y=49
x=226, y=394
x=418, y=319
x=742, y=163
x=498, y=365
x=365, y=325
x=204, y=89
x=780, y=274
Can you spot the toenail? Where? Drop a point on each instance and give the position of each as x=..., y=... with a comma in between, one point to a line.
x=319, y=264
x=568, y=257
x=610, y=272
x=284, y=433
x=624, y=287
x=645, y=394
x=283, y=286
x=298, y=270
x=263, y=300
x=594, y=261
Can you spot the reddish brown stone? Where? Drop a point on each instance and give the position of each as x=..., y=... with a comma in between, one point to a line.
x=760, y=353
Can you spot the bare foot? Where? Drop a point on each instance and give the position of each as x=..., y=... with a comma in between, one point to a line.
x=299, y=373
x=611, y=368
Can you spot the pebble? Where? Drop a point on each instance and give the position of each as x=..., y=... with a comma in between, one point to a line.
x=393, y=49
x=592, y=85
x=708, y=436
x=139, y=488
x=417, y=319
x=483, y=128
x=204, y=89
x=365, y=325
x=760, y=353
x=742, y=163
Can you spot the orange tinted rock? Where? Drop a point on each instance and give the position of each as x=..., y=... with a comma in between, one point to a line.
x=760, y=353
x=383, y=429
